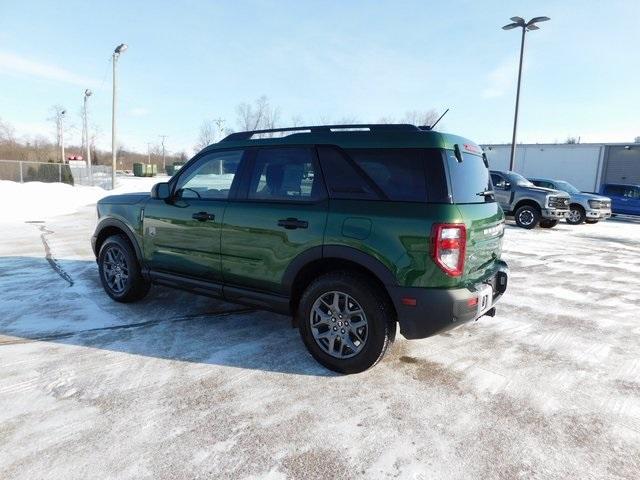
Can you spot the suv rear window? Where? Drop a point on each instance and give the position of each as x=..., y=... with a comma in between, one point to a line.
x=468, y=178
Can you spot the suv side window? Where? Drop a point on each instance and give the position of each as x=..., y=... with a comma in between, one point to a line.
x=343, y=180
x=613, y=190
x=285, y=174
x=398, y=172
x=210, y=177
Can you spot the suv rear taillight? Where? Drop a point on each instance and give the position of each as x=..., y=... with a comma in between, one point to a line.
x=448, y=243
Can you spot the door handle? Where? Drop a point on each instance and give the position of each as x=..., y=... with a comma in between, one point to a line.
x=203, y=216
x=292, y=223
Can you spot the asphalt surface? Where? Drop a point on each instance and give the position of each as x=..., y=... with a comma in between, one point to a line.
x=180, y=386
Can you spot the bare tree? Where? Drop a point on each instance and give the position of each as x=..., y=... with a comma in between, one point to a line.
x=7, y=132
x=297, y=121
x=206, y=136
x=420, y=118
x=261, y=115
x=571, y=140
x=347, y=120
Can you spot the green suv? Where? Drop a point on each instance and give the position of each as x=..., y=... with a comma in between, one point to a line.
x=351, y=230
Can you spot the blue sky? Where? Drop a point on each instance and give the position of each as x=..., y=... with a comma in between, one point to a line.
x=192, y=61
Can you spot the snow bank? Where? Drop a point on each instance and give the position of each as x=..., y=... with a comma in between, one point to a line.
x=40, y=201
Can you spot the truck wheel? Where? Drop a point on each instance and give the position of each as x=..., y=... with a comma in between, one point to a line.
x=527, y=217
x=576, y=215
x=590, y=221
x=544, y=223
x=346, y=322
x=120, y=271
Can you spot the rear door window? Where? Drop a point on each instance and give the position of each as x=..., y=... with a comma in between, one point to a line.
x=345, y=180
x=285, y=174
x=469, y=178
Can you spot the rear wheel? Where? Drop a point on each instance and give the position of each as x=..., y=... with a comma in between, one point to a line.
x=346, y=322
x=120, y=271
x=527, y=216
x=548, y=223
x=576, y=215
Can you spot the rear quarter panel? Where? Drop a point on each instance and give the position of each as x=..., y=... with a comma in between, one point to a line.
x=398, y=235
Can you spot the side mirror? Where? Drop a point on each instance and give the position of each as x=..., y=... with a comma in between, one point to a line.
x=161, y=191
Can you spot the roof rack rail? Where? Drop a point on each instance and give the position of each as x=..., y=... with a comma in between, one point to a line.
x=372, y=127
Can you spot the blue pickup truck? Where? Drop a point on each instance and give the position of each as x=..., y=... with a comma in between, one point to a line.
x=625, y=199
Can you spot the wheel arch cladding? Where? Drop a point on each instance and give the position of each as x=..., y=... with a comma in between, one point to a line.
x=310, y=265
x=529, y=202
x=111, y=226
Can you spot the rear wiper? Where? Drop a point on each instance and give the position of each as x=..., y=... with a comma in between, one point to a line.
x=486, y=193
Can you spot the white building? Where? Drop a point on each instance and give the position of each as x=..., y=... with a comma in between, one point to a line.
x=585, y=165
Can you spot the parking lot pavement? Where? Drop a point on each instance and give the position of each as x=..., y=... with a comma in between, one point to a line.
x=179, y=386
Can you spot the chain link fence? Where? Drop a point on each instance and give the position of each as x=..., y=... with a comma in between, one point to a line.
x=22, y=171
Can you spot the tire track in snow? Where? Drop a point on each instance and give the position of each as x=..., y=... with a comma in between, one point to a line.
x=49, y=257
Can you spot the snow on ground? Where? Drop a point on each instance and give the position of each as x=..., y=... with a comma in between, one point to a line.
x=181, y=386
x=38, y=201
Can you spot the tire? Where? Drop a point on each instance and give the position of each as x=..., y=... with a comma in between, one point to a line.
x=544, y=223
x=126, y=284
x=577, y=215
x=317, y=324
x=591, y=222
x=527, y=217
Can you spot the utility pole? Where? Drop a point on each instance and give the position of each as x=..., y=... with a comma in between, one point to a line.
x=114, y=146
x=148, y=153
x=85, y=126
x=164, y=164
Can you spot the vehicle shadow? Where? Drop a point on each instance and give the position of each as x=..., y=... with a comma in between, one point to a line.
x=64, y=303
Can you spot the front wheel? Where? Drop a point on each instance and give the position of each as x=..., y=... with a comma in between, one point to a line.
x=346, y=322
x=548, y=223
x=527, y=217
x=120, y=271
x=576, y=215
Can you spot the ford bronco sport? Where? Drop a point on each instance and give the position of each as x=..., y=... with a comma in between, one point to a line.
x=351, y=230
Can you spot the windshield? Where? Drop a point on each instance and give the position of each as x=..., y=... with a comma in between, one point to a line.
x=566, y=187
x=519, y=180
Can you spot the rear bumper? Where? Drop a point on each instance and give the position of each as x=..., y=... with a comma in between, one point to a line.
x=436, y=310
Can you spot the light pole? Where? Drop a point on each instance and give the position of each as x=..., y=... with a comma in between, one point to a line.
x=530, y=25
x=148, y=153
x=116, y=53
x=87, y=94
x=62, y=113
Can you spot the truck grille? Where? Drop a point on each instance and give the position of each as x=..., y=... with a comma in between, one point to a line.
x=559, y=203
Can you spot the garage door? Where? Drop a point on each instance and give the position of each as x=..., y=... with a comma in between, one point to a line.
x=623, y=165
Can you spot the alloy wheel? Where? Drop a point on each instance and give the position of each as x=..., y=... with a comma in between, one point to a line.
x=525, y=217
x=339, y=324
x=116, y=270
x=574, y=215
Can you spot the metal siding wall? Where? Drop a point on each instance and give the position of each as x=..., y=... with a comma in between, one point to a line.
x=623, y=166
x=578, y=164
